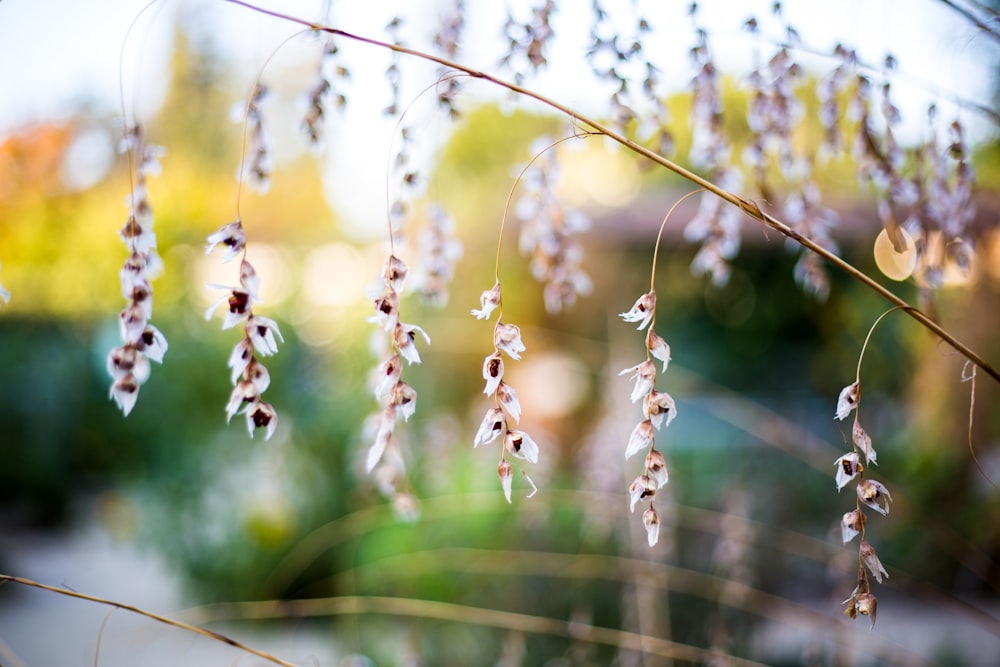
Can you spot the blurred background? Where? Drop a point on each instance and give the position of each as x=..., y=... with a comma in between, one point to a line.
x=173, y=510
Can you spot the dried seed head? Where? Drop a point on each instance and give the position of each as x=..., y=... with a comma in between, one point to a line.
x=506, y=473
x=659, y=407
x=874, y=495
x=848, y=467
x=642, y=487
x=507, y=337
x=863, y=442
x=851, y=524
x=871, y=561
x=848, y=400
x=641, y=438
x=645, y=377
x=651, y=520
x=492, y=426
x=658, y=348
x=656, y=468
x=489, y=300
x=507, y=398
x=520, y=445
x=642, y=310
x=492, y=373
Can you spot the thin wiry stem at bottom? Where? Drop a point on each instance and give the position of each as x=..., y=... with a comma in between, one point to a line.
x=211, y=634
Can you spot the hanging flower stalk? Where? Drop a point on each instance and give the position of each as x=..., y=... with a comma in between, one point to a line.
x=499, y=420
x=128, y=364
x=869, y=493
x=658, y=408
x=260, y=335
x=397, y=398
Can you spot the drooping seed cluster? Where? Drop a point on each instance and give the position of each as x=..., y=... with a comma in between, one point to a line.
x=549, y=234
x=396, y=398
x=260, y=335
x=393, y=75
x=329, y=74
x=438, y=249
x=497, y=423
x=805, y=213
x=716, y=225
x=447, y=39
x=257, y=169
x=871, y=494
x=528, y=41
x=658, y=410
x=773, y=109
x=128, y=364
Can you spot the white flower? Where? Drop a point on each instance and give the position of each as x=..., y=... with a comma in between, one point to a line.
x=651, y=520
x=262, y=331
x=387, y=375
x=848, y=400
x=230, y=235
x=386, y=311
x=386, y=425
x=871, y=561
x=507, y=337
x=491, y=427
x=153, y=344
x=645, y=376
x=394, y=273
x=125, y=391
x=641, y=438
x=642, y=310
x=863, y=442
x=521, y=446
x=848, y=467
x=507, y=398
x=403, y=336
x=489, y=300
x=641, y=487
x=658, y=348
x=404, y=398
x=261, y=415
x=245, y=391
x=657, y=406
x=240, y=358
x=656, y=468
x=492, y=373
x=875, y=495
x=506, y=473
x=850, y=525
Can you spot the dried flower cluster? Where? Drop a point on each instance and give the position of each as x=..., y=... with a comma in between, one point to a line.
x=257, y=169
x=658, y=411
x=329, y=74
x=397, y=399
x=716, y=225
x=549, y=233
x=871, y=494
x=392, y=73
x=128, y=365
x=447, y=39
x=507, y=409
x=260, y=334
x=438, y=249
x=528, y=41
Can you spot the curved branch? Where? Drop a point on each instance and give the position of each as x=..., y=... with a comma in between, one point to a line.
x=750, y=208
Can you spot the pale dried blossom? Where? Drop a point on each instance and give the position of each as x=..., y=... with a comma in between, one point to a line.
x=656, y=468
x=128, y=365
x=528, y=41
x=848, y=400
x=658, y=408
x=497, y=421
x=642, y=311
x=851, y=524
x=645, y=376
x=257, y=169
x=642, y=487
x=874, y=495
x=231, y=236
x=871, y=561
x=397, y=398
x=848, y=467
x=658, y=348
x=863, y=442
x=861, y=602
x=329, y=74
x=651, y=520
x=805, y=213
x=260, y=336
x=642, y=438
x=439, y=250
x=550, y=233
x=489, y=300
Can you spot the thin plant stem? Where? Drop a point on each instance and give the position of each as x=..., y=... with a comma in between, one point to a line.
x=751, y=209
x=211, y=634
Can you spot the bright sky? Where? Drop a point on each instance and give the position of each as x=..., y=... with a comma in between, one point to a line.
x=56, y=55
